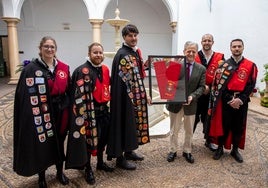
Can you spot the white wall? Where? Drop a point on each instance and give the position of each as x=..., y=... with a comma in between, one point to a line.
x=228, y=19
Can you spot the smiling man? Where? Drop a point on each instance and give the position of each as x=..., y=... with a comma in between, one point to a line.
x=210, y=59
x=90, y=118
x=185, y=115
x=129, y=112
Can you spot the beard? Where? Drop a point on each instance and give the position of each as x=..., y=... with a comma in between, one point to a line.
x=207, y=48
x=237, y=54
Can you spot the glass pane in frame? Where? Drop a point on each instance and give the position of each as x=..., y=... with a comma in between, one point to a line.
x=167, y=83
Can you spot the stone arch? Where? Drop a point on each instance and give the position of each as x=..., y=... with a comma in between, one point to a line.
x=93, y=9
x=172, y=7
x=63, y=26
x=12, y=8
x=18, y=8
x=152, y=19
x=96, y=8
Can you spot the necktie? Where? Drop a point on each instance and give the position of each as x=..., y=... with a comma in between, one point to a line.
x=188, y=70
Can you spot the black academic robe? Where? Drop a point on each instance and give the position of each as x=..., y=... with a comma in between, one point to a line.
x=128, y=106
x=35, y=140
x=82, y=138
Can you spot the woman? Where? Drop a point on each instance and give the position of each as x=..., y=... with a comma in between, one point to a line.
x=41, y=115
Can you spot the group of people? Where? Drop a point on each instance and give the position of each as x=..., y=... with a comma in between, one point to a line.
x=102, y=113
x=218, y=93
x=95, y=111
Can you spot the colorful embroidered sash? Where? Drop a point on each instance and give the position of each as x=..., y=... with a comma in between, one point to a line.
x=222, y=75
x=130, y=73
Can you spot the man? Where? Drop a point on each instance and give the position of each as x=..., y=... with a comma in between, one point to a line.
x=186, y=113
x=129, y=112
x=233, y=83
x=210, y=59
x=90, y=118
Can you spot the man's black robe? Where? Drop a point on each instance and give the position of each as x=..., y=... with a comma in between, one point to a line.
x=129, y=123
x=82, y=138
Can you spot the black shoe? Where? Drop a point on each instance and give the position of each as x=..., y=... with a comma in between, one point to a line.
x=237, y=156
x=89, y=176
x=124, y=164
x=218, y=153
x=133, y=156
x=210, y=146
x=171, y=156
x=42, y=184
x=188, y=156
x=105, y=167
x=62, y=178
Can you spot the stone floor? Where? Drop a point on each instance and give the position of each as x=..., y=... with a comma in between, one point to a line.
x=155, y=171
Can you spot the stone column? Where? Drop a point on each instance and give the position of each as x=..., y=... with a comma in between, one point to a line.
x=13, y=47
x=96, y=27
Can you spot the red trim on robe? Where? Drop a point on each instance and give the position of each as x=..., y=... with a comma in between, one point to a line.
x=102, y=89
x=212, y=66
x=141, y=65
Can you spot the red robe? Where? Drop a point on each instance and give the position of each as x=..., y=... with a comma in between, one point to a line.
x=213, y=64
x=238, y=79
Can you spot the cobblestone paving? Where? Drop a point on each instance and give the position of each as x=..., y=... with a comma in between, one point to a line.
x=155, y=171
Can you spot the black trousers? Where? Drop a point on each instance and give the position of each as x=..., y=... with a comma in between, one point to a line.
x=201, y=111
x=234, y=121
x=57, y=115
x=103, y=124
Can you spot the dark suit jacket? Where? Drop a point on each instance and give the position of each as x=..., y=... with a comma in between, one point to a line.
x=195, y=88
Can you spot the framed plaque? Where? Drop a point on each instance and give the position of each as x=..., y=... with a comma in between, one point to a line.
x=167, y=83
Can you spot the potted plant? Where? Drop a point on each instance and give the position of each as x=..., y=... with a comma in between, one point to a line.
x=264, y=98
x=22, y=65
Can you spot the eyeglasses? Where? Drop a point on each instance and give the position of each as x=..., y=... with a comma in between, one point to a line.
x=47, y=47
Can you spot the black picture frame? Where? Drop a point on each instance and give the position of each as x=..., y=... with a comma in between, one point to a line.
x=167, y=81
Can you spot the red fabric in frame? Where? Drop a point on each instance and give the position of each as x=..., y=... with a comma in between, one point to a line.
x=167, y=78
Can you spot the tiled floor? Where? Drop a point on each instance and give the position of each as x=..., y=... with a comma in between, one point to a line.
x=155, y=171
